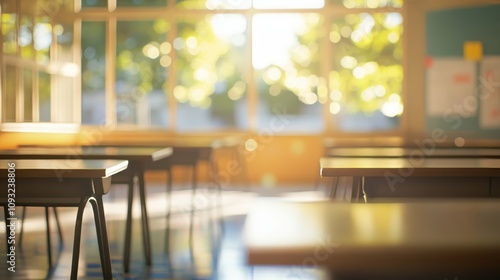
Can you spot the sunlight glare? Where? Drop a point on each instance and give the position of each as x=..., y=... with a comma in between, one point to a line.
x=43, y=36
x=393, y=20
x=165, y=48
x=367, y=24
x=237, y=91
x=335, y=36
x=368, y=94
x=165, y=61
x=393, y=37
x=196, y=94
x=288, y=4
x=349, y=4
x=348, y=62
x=370, y=67
x=335, y=95
x=151, y=50
x=308, y=98
x=251, y=145
x=345, y=31
x=202, y=74
x=272, y=75
x=302, y=55
x=334, y=108
x=229, y=27
x=180, y=94
x=359, y=72
x=273, y=37
x=393, y=107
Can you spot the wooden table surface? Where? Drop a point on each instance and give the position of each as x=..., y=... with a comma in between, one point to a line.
x=414, y=152
x=431, y=167
x=194, y=142
x=69, y=152
x=460, y=235
x=25, y=168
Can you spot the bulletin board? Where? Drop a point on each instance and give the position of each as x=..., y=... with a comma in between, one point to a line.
x=463, y=70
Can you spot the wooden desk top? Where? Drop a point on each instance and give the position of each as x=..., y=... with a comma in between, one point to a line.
x=184, y=142
x=387, y=236
x=415, y=152
x=432, y=167
x=127, y=153
x=44, y=168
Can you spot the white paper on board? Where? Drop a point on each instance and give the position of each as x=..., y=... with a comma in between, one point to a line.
x=450, y=87
x=489, y=97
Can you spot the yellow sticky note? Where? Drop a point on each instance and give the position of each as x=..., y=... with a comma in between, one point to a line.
x=473, y=50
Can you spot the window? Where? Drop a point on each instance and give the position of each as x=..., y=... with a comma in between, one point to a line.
x=143, y=58
x=204, y=65
x=93, y=61
x=39, y=68
x=210, y=88
x=366, y=78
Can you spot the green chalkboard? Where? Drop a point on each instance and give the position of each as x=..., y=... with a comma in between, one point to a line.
x=446, y=33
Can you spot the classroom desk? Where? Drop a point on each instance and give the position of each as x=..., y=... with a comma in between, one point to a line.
x=397, y=170
x=413, y=152
x=450, y=237
x=138, y=157
x=188, y=151
x=52, y=183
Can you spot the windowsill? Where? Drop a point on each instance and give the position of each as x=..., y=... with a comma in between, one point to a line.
x=40, y=127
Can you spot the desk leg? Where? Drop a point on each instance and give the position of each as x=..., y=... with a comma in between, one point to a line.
x=7, y=229
x=145, y=223
x=128, y=227
x=193, y=206
x=363, y=188
x=49, y=244
x=77, y=238
x=21, y=233
x=169, y=210
x=333, y=189
x=102, y=236
x=219, y=215
x=59, y=229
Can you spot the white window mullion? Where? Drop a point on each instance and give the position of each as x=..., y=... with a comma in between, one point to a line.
x=54, y=78
x=77, y=81
x=110, y=72
x=252, y=93
x=19, y=89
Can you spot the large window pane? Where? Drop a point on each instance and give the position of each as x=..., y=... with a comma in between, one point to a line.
x=142, y=65
x=366, y=80
x=9, y=33
x=26, y=37
x=93, y=72
x=44, y=94
x=287, y=68
x=210, y=88
x=42, y=39
x=68, y=71
x=28, y=95
x=9, y=96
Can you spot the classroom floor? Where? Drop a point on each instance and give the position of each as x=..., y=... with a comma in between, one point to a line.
x=215, y=254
